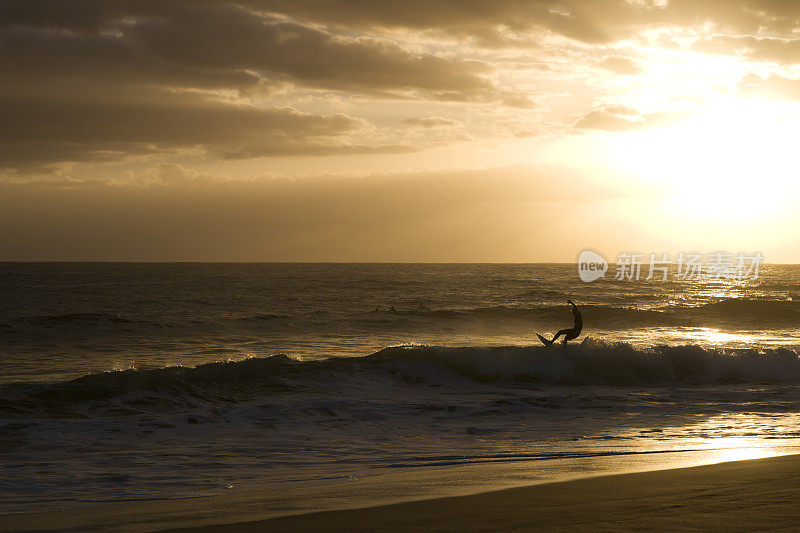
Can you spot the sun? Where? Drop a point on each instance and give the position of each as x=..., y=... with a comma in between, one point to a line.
x=733, y=156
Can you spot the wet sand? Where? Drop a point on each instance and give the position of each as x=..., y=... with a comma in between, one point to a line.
x=730, y=496
x=734, y=496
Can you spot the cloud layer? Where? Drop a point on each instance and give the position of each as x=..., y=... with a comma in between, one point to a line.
x=96, y=94
x=116, y=78
x=108, y=79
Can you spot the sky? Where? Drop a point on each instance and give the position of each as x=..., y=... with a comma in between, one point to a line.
x=435, y=130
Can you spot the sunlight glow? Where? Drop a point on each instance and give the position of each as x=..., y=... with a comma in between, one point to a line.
x=740, y=449
x=714, y=336
x=734, y=155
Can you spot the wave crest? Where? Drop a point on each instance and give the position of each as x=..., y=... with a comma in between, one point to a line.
x=590, y=363
x=600, y=363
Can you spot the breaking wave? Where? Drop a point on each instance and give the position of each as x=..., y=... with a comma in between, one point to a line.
x=590, y=363
x=600, y=363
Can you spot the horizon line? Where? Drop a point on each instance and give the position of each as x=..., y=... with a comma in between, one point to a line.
x=78, y=261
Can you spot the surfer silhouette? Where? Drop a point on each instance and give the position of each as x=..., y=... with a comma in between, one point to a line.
x=569, y=333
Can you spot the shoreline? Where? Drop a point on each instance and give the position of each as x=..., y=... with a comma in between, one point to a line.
x=737, y=495
x=664, y=498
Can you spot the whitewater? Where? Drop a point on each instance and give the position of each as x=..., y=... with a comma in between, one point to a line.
x=128, y=382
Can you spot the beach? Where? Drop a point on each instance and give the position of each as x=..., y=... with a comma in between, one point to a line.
x=735, y=496
x=748, y=495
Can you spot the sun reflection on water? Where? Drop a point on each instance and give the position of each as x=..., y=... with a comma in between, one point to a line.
x=715, y=336
x=742, y=436
x=740, y=449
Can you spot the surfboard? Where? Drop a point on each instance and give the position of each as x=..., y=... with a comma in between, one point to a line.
x=544, y=341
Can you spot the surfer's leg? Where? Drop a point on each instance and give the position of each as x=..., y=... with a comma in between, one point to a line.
x=571, y=334
x=562, y=332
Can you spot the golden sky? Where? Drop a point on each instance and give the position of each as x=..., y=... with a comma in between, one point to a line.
x=435, y=130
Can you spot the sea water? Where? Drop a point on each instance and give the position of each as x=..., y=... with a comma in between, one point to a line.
x=136, y=381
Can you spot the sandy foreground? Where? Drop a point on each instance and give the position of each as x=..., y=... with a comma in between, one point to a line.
x=736, y=496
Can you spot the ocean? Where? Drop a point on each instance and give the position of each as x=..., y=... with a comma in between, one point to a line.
x=133, y=381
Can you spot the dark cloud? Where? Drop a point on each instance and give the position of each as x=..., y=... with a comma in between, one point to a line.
x=218, y=44
x=292, y=148
x=97, y=80
x=43, y=131
x=490, y=23
x=592, y=21
x=162, y=122
x=497, y=23
x=104, y=79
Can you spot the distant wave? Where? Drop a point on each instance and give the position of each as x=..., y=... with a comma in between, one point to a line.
x=590, y=363
x=78, y=317
x=596, y=315
x=730, y=313
x=745, y=309
x=545, y=294
x=264, y=316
